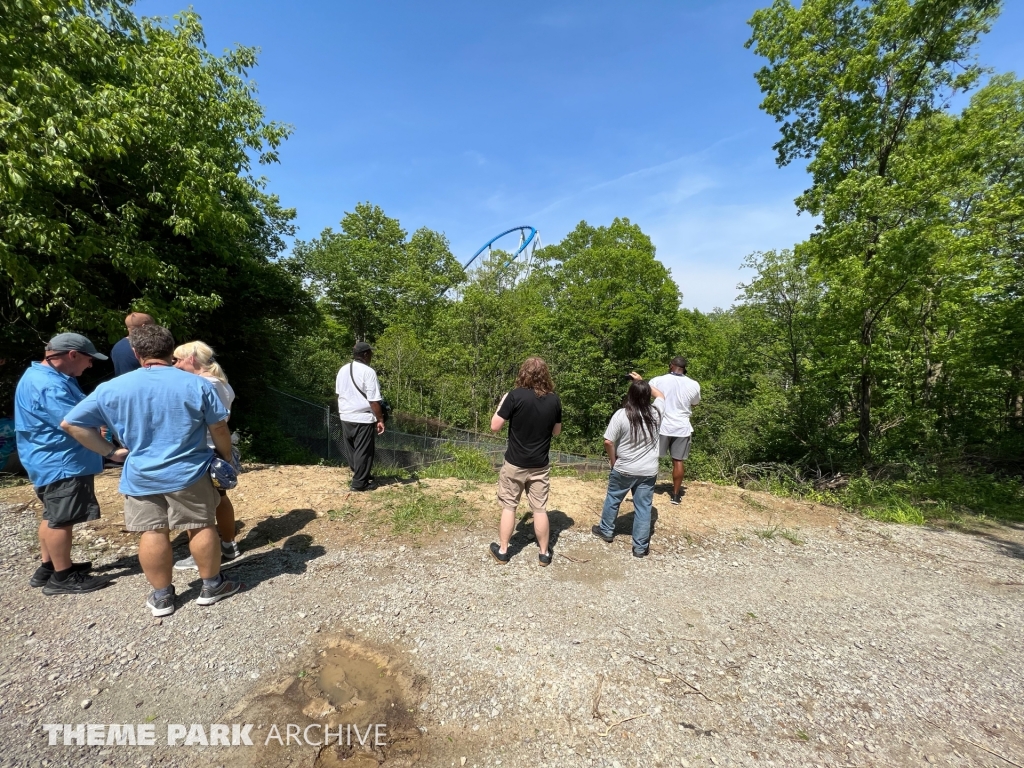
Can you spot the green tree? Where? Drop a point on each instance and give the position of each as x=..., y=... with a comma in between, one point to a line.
x=614, y=308
x=849, y=80
x=126, y=159
x=370, y=274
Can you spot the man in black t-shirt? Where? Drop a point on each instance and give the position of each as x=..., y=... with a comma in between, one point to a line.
x=534, y=415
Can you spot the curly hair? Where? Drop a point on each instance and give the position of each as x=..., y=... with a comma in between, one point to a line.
x=534, y=374
x=151, y=342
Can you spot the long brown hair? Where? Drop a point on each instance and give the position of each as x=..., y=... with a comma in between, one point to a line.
x=534, y=374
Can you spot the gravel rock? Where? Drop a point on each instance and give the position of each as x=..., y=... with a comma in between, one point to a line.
x=864, y=644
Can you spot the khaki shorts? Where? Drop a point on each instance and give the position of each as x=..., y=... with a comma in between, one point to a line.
x=192, y=507
x=513, y=480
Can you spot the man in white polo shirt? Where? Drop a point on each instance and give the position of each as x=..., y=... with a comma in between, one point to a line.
x=362, y=418
x=681, y=394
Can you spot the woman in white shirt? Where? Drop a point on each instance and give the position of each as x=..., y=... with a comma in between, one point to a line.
x=198, y=358
x=631, y=441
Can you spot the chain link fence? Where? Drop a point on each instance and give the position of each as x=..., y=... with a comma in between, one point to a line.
x=317, y=429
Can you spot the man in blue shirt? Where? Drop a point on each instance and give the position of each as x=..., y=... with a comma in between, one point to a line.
x=162, y=415
x=61, y=470
x=121, y=355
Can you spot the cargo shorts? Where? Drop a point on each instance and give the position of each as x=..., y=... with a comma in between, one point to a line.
x=189, y=508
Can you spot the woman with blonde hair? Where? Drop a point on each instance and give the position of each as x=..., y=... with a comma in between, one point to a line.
x=534, y=415
x=198, y=358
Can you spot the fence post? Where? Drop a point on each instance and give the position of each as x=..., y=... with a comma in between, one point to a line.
x=327, y=430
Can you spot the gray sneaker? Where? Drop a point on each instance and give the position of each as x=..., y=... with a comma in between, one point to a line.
x=163, y=606
x=229, y=554
x=229, y=558
x=186, y=564
x=211, y=595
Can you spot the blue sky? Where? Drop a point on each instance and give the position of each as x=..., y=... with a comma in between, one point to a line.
x=473, y=117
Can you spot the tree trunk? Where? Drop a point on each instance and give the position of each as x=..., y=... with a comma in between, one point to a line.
x=864, y=425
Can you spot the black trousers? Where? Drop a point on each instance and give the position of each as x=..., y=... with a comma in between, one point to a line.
x=359, y=441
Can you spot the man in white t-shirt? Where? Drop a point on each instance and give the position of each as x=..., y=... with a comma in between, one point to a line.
x=362, y=419
x=681, y=394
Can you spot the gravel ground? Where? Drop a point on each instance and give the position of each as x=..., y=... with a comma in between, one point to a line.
x=847, y=643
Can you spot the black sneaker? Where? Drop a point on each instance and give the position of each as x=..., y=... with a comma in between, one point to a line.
x=42, y=575
x=596, y=530
x=77, y=583
x=675, y=497
x=211, y=595
x=544, y=560
x=498, y=555
x=161, y=606
x=642, y=552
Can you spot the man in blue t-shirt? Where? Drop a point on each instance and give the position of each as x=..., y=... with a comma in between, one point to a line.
x=162, y=415
x=60, y=469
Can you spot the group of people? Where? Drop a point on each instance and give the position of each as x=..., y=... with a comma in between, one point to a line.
x=654, y=420
x=164, y=416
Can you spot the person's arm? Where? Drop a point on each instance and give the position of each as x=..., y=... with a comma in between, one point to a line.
x=379, y=413
x=372, y=386
x=654, y=390
x=221, y=434
x=92, y=440
x=497, y=422
x=609, y=448
x=556, y=430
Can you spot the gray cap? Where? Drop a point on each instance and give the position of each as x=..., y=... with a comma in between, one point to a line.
x=361, y=347
x=68, y=342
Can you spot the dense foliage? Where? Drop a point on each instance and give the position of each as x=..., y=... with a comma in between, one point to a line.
x=886, y=344
x=126, y=154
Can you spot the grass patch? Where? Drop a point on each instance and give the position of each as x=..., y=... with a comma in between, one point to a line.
x=410, y=510
x=10, y=480
x=342, y=513
x=772, y=531
x=915, y=500
x=464, y=464
x=791, y=536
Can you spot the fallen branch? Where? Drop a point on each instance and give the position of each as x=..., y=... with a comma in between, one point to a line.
x=973, y=744
x=573, y=559
x=608, y=730
x=681, y=679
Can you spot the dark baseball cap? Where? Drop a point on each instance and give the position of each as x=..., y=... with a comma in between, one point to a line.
x=361, y=347
x=74, y=342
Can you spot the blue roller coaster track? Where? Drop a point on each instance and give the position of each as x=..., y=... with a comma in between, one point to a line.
x=524, y=240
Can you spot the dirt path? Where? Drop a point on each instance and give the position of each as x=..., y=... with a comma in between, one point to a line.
x=760, y=631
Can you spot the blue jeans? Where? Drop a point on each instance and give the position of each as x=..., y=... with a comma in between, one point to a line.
x=643, y=495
